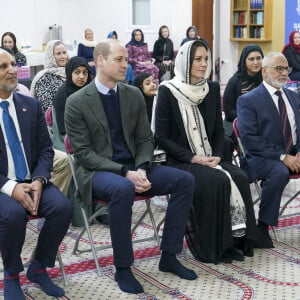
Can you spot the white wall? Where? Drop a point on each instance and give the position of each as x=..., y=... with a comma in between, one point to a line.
x=31, y=20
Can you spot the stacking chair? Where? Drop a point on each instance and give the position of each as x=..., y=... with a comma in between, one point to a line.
x=49, y=120
x=91, y=219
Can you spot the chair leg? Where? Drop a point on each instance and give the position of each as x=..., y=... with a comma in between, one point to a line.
x=149, y=210
x=287, y=203
x=87, y=228
x=275, y=234
x=66, y=282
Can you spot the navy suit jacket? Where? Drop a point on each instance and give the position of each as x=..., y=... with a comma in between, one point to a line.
x=35, y=137
x=261, y=130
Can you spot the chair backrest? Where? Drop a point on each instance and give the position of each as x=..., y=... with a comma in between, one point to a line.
x=237, y=135
x=69, y=152
x=49, y=120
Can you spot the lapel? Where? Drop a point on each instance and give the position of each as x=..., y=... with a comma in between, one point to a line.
x=95, y=108
x=124, y=97
x=22, y=111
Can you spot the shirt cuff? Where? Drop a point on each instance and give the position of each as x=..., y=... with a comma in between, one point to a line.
x=144, y=166
x=282, y=157
x=8, y=187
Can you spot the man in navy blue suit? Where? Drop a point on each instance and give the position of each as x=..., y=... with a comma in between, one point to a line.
x=25, y=188
x=271, y=138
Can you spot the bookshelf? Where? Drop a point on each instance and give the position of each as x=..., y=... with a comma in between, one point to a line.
x=251, y=20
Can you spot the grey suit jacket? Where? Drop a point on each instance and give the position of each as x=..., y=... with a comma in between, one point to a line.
x=89, y=134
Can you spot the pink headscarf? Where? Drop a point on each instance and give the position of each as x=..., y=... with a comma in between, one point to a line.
x=291, y=43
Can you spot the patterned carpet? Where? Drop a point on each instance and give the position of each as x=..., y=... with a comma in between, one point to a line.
x=270, y=274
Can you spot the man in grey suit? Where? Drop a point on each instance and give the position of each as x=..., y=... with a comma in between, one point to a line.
x=109, y=132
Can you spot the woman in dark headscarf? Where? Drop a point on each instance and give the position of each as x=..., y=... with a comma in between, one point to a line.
x=146, y=83
x=247, y=77
x=292, y=54
x=163, y=53
x=188, y=126
x=9, y=40
x=139, y=56
x=77, y=76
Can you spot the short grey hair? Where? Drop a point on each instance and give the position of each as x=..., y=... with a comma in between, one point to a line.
x=266, y=60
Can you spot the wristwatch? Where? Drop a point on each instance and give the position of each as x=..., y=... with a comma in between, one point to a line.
x=41, y=179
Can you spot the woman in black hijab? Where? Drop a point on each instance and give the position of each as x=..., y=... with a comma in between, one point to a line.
x=247, y=77
x=77, y=76
x=146, y=83
x=163, y=53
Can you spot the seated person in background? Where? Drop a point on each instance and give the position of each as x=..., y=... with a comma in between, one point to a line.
x=188, y=126
x=147, y=85
x=46, y=82
x=247, y=77
x=271, y=146
x=129, y=77
x=292, y=54
x=44, y=86
x=163, y=53
x=112, y=35
x=21, y=88
x=139, y=56
x=8, y=40
x=191, y=35
x=77, y=76
x=25, y=188
x=114, y=162
x=86, y=49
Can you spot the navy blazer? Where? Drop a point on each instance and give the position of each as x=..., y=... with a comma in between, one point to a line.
x=36, y=140
x=260, y=127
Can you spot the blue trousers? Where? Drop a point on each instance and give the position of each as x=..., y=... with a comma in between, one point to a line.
x=57, y=211
x=120, y=193
x=275, y=176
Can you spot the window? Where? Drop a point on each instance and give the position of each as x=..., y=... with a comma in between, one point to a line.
x=141, y=12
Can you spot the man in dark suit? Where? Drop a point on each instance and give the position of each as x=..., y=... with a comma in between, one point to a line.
x=110, y=134
x=25, y=188
x=269, y=125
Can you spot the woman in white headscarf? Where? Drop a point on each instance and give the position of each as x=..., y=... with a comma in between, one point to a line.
x=188, y=126
x=46, y=83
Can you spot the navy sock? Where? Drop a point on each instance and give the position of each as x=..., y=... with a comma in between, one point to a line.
x=170, y=263
x=37, y=273
x=127, y=282
x=12, y=287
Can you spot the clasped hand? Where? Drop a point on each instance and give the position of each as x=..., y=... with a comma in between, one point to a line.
x=210, y=161
x=140, y=180
x=28, y=195
x=292, y=162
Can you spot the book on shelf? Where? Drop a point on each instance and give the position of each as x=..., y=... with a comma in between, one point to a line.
x=256, y=4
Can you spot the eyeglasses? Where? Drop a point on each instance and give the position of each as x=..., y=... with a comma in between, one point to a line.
x=280, y=69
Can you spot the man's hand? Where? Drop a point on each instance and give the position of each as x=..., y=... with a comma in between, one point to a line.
x=36, y=192
x=292, y=162
x=28, y=195
x=140, y=180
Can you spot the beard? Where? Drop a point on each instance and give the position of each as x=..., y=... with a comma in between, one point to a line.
x=8, y=88
x=277, y=83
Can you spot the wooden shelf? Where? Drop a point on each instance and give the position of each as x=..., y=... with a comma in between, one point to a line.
x=249, y=23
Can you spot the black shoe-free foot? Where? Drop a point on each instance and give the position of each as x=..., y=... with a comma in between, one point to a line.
x=264, y=240
x=170, y=263
x=127, y=282
x=103, y=219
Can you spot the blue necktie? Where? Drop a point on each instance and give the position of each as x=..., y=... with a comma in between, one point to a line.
x=286, y=126
x=14, y=143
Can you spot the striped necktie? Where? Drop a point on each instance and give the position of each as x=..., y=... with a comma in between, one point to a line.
x=286, y=126
x=14, y=143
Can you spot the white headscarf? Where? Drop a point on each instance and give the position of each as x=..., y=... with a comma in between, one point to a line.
x=50, y=65
x=189, y=96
